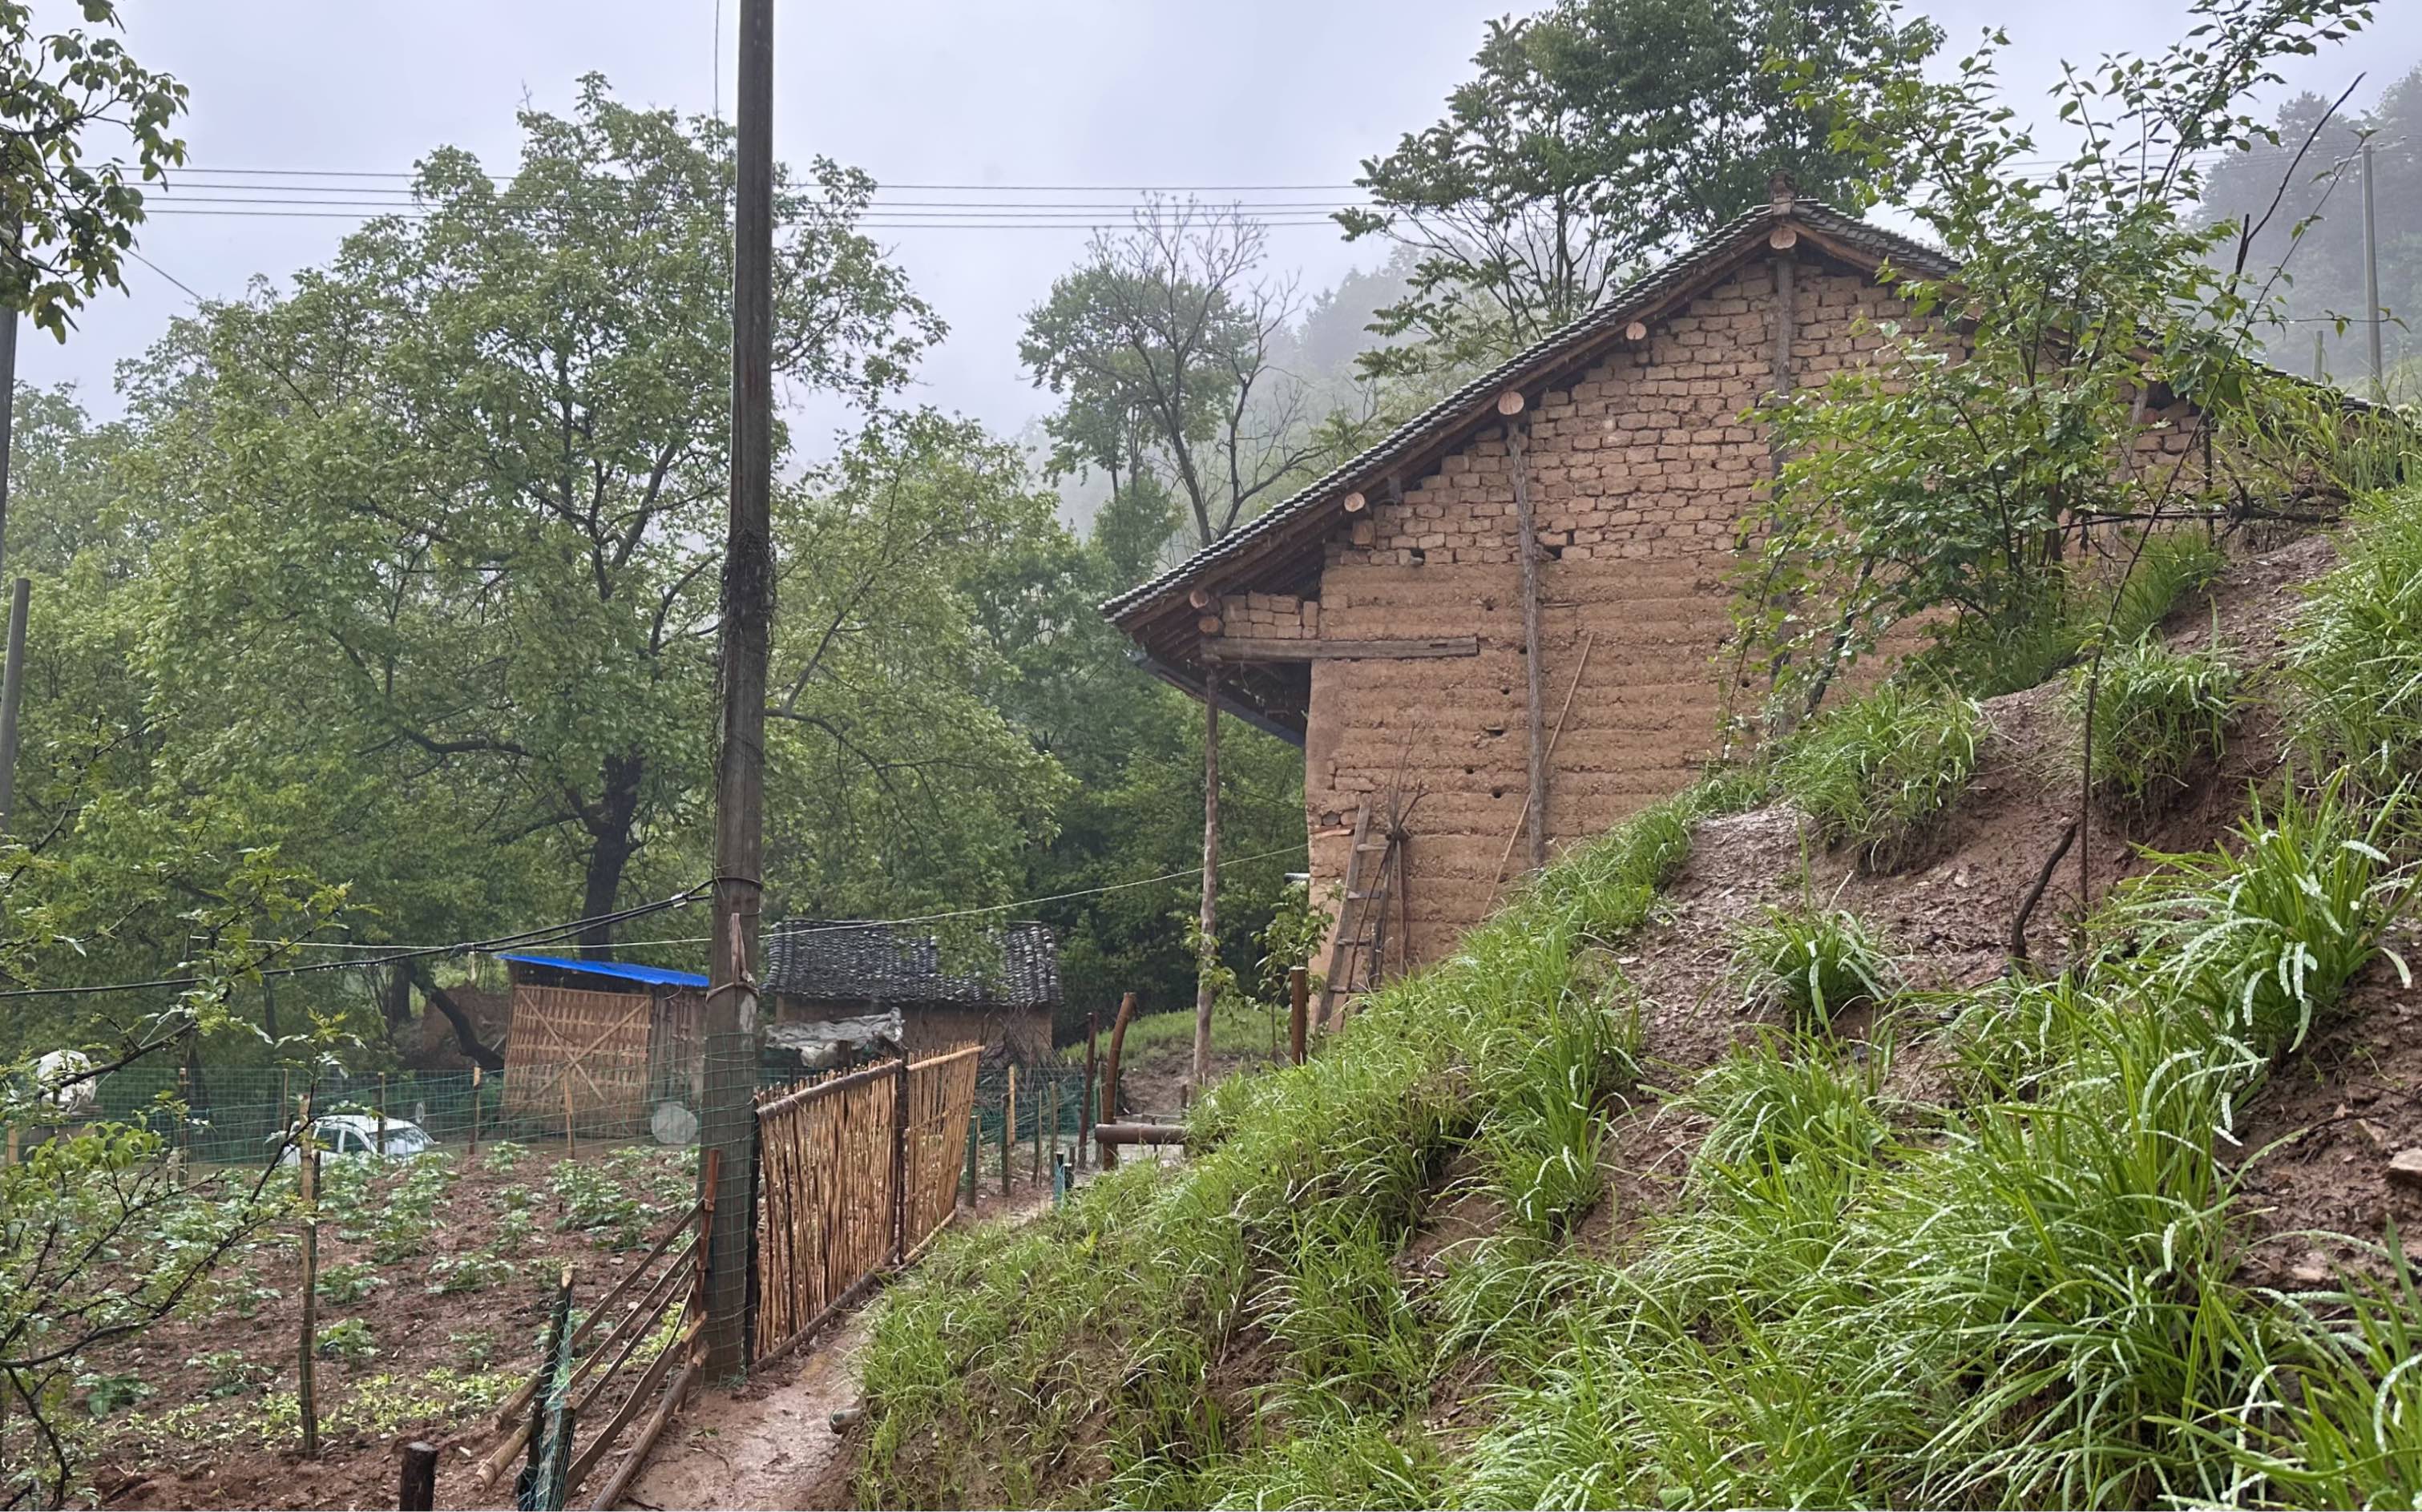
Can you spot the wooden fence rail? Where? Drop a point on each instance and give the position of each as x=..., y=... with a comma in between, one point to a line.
x=855, y=1171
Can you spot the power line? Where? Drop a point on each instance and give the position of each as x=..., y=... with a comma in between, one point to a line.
x=543, y=934
x=856, y=924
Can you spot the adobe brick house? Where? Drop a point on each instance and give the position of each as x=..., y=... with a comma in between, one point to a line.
x=1377, y=619
x=826, y=972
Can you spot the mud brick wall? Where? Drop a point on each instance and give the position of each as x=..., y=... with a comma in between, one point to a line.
x=1642, y=472
x=1269, y=617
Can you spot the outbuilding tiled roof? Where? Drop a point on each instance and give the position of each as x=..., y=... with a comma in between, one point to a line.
x=1704, y=263
x=842, y=961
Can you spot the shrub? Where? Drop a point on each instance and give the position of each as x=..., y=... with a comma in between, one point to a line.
x=1813, y=963
x=2160, y=716
x=1876, y=774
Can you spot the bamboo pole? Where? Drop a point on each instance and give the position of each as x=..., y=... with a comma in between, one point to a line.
x=1298, y=1011
x=1008, y=1127
x=474, y=1113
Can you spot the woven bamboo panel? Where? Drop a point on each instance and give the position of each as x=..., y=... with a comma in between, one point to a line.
x=825, y=1203
x=941, y=1097
x=596, y=1043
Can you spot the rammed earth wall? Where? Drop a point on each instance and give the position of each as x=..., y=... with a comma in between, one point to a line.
x=1641, y=474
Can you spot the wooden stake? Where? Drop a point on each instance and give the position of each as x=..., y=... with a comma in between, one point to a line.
x=900, y=1161
x=1085, y=1109
x=474, y=1113
x=417, y=1488
x=1008, y=1127
x=306, y=1181
x=571, y=1149
x=1589, y=643
x=1108, y=1111
x=975, y=1128
x=1299, y=1012
x=381, y=1146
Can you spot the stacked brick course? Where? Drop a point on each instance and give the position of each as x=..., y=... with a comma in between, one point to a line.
x=1269, y=617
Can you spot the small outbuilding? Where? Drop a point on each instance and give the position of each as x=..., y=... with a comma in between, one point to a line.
x=611, y=1042
x=833, y=971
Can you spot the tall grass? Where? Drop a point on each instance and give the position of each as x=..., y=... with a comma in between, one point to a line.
x=2160, y=718
x=1986, y=658
x=1878, y=773
x=2026, y=1295
x=2356, y=653
x=1115, y=1311
x=1813, y=963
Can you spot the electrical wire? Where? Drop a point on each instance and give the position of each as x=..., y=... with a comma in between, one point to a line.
x=859, y=924
x=543, y=934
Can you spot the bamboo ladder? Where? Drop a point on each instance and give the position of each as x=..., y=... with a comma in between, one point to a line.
x=1360, y=952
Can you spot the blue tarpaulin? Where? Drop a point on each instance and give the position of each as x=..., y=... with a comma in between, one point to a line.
x=653, y=976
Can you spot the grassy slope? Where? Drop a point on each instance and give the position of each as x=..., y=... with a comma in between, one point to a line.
x=2020, y=1286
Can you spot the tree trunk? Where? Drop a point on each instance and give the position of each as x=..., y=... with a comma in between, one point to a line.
x=465, y=1034
x=610, y=822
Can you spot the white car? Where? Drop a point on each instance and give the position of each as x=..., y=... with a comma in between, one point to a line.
x=355, y=1136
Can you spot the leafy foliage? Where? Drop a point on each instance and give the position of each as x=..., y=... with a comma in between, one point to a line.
x=1961, y=471
x=1564, y=166
x=72, y=93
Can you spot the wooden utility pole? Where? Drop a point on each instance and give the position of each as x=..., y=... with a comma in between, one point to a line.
x=729, y=1127
x=2371, y=278
x=1206, y=957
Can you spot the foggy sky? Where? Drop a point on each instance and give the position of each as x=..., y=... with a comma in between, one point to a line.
x=914, y=92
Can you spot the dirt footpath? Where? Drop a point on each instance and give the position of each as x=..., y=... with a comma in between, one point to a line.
x=770, y=1444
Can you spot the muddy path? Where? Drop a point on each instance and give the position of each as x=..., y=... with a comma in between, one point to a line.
x=769, y=1444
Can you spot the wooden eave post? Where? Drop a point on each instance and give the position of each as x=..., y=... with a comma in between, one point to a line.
x=1518, y=435
x=1206, y=950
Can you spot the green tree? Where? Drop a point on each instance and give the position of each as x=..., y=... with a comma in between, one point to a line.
x=1162, y=342
x=72, y=214
x=449, y=583
x=1961, y=471
x=1594, y=137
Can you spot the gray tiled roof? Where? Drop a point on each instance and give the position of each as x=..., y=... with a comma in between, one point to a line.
x=1710, y=256
x=856, y=962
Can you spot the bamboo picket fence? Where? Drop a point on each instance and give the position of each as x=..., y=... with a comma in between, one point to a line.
x=855, y=1171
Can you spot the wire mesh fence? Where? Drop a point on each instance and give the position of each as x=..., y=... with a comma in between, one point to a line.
x=239, y=1115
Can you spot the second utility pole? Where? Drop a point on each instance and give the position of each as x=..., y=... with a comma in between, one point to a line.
x=2372, y=279
x=729, y=1123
